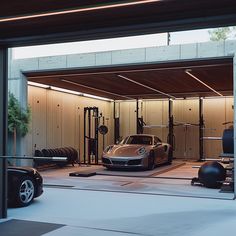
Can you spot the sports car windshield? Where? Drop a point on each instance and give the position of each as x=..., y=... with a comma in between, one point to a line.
x=146, y=140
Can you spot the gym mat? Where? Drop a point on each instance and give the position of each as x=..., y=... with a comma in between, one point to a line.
x=26, y=228
x=141, y=173
x=82, y=173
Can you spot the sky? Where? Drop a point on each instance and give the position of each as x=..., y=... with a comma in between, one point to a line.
x=150, y=40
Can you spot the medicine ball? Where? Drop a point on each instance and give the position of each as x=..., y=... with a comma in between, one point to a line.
x=211, y=173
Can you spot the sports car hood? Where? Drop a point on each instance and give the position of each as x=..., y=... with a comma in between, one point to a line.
x=28, y=170
x=127, y=150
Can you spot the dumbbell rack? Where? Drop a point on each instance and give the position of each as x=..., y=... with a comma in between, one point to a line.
x=228, y=184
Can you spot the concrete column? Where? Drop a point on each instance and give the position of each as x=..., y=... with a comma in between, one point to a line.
x=3, y=131
x=234, y=86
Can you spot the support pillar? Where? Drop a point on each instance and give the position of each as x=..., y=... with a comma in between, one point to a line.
x=171, y=125
x=116, y=122
x=137, y=116
x=234, y=89
x=201, y=129
x=3, y=130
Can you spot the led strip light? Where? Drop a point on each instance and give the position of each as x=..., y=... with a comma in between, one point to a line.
x=145, y=86
x=206, y=85
x=99, y=90
x=72, y=11
x=68, y=91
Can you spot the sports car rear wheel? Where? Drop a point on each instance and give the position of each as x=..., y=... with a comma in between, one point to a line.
x=25, y=190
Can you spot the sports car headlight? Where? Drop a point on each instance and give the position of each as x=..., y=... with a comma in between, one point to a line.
x=141, y=151
x=108, y=148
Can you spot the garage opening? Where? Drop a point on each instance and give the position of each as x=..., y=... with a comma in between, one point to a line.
x=187, y=103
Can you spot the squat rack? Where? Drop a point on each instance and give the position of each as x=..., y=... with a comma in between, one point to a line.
x=91, y=140
x=171, y=137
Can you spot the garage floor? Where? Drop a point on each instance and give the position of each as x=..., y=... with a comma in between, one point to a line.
x=104, y=205
x=163, y=180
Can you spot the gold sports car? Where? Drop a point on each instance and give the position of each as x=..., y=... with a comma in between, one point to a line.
x=141, y=151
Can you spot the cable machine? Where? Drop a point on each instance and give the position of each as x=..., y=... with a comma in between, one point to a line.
x=116, y=113
x=91, y=123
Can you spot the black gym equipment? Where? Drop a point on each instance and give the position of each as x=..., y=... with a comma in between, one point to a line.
x=51, y=157
x=211, y=174
x=201, y=129
x=171, y=136
x=228, y=141
x=141, y=125
x=102, y=129
x=91, y=121
x=116, y=123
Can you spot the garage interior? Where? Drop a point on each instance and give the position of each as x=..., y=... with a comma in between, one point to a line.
x=193, y=87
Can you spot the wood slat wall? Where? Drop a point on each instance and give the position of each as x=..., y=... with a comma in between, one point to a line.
x=57, y=120
x=216, y=111
x=156, y=113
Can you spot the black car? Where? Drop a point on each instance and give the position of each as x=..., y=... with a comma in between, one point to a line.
x=24, y=184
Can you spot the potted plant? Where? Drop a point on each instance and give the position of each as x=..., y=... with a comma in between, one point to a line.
x=18, y=119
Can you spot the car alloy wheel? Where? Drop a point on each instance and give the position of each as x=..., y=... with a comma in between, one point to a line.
x=151, y=161
x=25, y=190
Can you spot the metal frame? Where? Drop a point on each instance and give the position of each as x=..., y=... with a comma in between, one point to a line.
x=201, y=130
x=88, y=115
x=3, y=129
x=137, y=116
x=234, y=86
x=171, y=125
x=116, y=122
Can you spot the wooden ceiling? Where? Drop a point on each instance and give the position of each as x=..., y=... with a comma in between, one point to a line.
x=153, y=17
x=164, y=80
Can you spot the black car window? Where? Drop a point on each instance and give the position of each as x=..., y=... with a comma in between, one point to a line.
x=156, y=140
x=146, y=140
x=124, y=140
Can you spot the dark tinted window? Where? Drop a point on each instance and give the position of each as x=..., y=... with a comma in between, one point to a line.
x=156, y=140
x=146, y=140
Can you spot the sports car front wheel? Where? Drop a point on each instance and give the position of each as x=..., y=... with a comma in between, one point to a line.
x=24, y=191
x=151, y=162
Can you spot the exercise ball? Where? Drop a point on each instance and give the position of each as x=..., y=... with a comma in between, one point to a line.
x=211, y=173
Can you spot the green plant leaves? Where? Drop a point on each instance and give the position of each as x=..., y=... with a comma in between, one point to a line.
x=18, y=117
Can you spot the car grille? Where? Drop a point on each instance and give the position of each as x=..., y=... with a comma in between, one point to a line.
x=121, y=163
x=134, y=162
x=106, y=161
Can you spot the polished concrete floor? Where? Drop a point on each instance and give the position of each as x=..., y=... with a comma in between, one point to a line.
x=88, y=213
x=116, y=206
x=172, y=182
